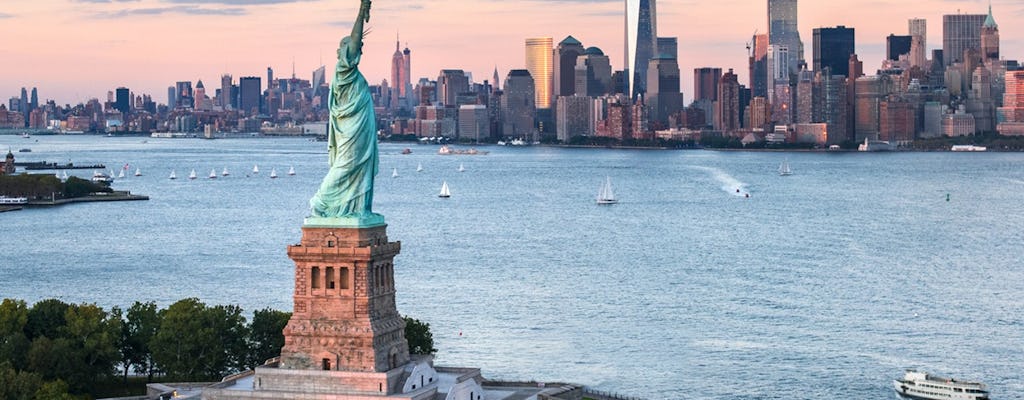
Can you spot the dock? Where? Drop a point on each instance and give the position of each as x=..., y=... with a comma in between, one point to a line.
x=44, y=165
x=95, y=197
x=4, y=209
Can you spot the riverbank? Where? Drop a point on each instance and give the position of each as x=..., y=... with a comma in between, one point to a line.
x=4, y=209
x=95, y=197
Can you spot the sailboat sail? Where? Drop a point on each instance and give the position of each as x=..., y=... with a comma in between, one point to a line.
x=444, y=190
x=784, y=168
x=394, y=173
x=291, y=170
x=605, y=195
x=419, y=168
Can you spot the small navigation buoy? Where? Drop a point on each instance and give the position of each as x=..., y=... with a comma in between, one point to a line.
x=460, y=333
x=748, y=195
x=737, y=190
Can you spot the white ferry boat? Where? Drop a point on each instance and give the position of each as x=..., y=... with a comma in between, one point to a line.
x=12, y=201
x=921, y=386
x=968, y=147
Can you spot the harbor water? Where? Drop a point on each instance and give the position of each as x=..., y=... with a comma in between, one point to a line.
x=824, y=284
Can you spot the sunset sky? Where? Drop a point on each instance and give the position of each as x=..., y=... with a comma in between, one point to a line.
x=73, y=50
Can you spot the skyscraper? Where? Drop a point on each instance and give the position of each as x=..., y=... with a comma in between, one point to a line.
x=121, y=100
x=759, y=66
x=451, y=83
x=668, y=46
x=172, y=96
x=539, y=63
x=397, y=68
x=407, y=72
x=641, y=43
x=565, y=57
x=705, y=83
x=960, y=32
x=663, y=92
x=727, y=117
x=897, y=45
x=33, y=102
x=783, y=30
x=183, y=94
x=250, y=94
x=918, y=30
x=517, y=103
x=593, y=73
x=990, y=37
x=227, y=94
x=832, y=49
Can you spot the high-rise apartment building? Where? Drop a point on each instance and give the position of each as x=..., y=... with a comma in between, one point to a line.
x=705, y=83
x=1011, y=114
x=960, y=32
x=539, y=63
x=641, y=43
x=250, y=94
x=518, y=104
x=990, y=37
x=727, y=116
x=565, y=57
x=783, y=30
x=474, y=123
x=573, y=117
x=778, y=68
x=870, y=92
x=832, y=49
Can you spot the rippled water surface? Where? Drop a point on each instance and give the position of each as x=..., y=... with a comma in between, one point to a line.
x=823, y=284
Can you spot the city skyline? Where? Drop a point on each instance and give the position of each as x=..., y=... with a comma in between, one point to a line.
x=147, y=45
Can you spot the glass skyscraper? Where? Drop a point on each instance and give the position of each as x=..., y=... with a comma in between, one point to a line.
x=539, y=54
x=641, y=43
x=783, y=30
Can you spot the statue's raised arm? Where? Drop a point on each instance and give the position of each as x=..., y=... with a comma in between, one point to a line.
x=345, y=197
x=356, y=39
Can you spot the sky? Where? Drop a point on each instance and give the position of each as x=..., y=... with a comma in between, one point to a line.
x=74, y=50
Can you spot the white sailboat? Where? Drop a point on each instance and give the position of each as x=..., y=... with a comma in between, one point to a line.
x=255, y=169
x=394, y=173
x=445, y=193
x=291, y=170
x=224, y=172
x=606, y=195
x=419, y=168
x=121, y=174
x=138, y=172
x=192, y=175
x=784, y=168
x=273, y=173
x=172, y=175
x=112, y=174
x=213, y=173
x=64, y=175
x=462, y=168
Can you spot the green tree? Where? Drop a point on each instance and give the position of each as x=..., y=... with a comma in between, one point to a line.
x=54, y=390
x=266, y=336
x=139, y=329
x=46, y=318
x=197, y=343
x=421, y=341
x=18, y=385
x=91, y=335
x=13, y=343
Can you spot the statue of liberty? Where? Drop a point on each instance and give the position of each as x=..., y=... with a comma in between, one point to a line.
x=346, y=193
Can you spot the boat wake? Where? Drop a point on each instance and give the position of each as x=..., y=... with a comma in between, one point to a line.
x=729, y=183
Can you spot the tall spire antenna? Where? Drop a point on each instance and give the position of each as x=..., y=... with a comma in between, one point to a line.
x=293, y=67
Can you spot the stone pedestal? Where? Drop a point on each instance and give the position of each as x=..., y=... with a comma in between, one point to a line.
x=344, y=317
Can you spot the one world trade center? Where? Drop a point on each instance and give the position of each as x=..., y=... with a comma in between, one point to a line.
x=641, y=42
